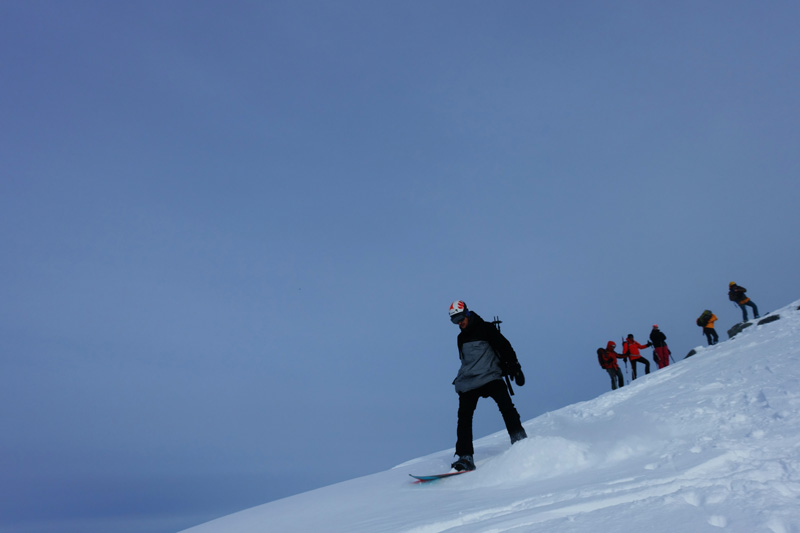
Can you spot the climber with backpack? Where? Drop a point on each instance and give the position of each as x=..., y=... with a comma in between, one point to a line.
x=706, y=321
x=607, y=358
x=737, y=295
x=486, y=358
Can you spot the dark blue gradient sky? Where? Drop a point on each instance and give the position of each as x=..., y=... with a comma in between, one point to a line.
x=231, y=230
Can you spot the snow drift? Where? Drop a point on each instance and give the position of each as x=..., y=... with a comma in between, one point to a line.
x=708, y=443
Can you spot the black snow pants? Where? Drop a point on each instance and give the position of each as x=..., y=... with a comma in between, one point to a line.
x=640, y=360
x=468, y=402
x=711, y=336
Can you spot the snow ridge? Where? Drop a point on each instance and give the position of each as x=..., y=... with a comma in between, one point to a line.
x=710, y=442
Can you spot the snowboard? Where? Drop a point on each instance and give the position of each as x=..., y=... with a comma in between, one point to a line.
x=434, y=477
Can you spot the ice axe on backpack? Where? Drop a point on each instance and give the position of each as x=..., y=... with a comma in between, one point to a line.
x=519, y=377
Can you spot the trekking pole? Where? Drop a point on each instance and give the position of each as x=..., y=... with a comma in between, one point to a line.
x=625, y=356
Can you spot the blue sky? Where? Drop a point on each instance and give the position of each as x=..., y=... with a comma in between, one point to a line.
x=231, y=231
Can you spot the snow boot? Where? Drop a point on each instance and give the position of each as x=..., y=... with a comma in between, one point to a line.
x=464, y=462
x=516, y=437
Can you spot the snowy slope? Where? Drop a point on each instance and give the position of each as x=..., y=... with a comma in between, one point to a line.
x=710, y=443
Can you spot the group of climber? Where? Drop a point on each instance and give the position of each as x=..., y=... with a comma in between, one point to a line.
x=736, y=294
x=609, y=358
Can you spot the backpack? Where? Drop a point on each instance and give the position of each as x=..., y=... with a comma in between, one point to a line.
x=506, y=355
x=606, y=361
x=703, y=319
x=736, y=293
x=508, y=359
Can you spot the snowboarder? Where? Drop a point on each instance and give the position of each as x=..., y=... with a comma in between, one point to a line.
x=706, y=321
x=661, y=351
x=631, y=348
x=484, y=352
x=608, y=361
x=737, y=294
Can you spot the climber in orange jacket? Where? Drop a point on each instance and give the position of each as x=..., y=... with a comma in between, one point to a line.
x=631, y=348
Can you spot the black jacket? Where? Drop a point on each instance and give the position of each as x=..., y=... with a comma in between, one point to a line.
x=737, y=294
x=480, y=330
x=657, y=338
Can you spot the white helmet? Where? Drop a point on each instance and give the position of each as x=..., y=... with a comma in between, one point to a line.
x=458, y=310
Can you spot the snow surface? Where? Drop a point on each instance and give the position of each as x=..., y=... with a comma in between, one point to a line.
x=710, y=443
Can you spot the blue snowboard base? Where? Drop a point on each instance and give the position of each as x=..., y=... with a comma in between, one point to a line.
x=434, y=477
